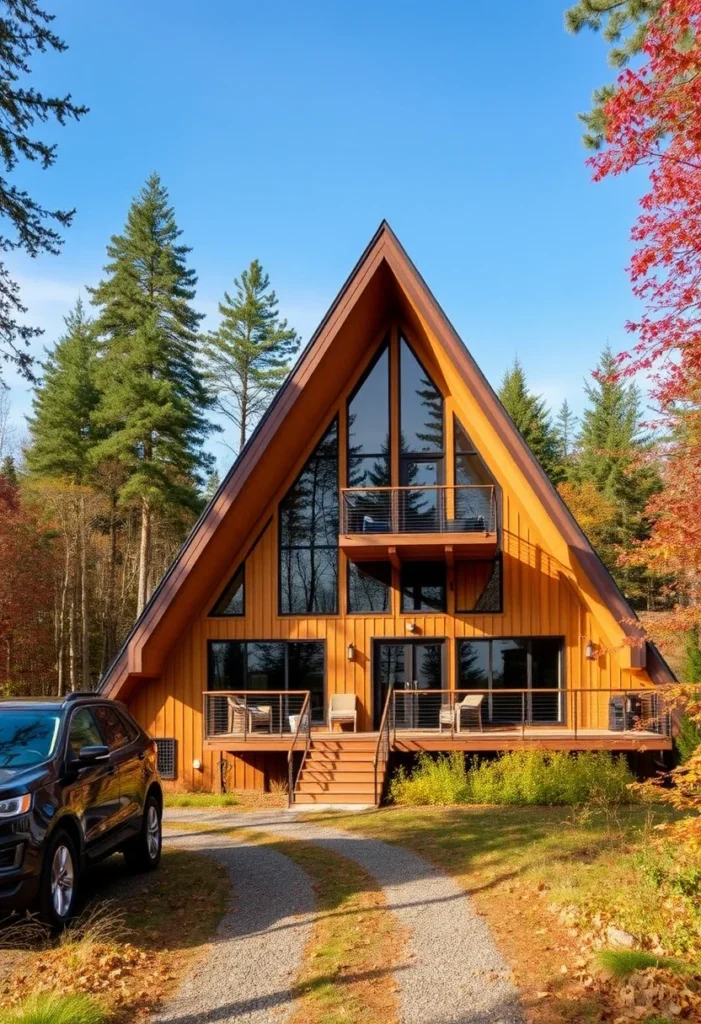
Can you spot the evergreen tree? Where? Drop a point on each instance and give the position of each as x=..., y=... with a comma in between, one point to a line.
x=531, y=417
x=153, y=396
x=248, y=355
x=62, y=433
x=24, y=30
x=611, y=454
x=565, y=429
x=688, y=735
x=8, y=470
x=62, y=429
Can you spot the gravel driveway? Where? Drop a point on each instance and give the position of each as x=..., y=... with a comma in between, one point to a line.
x=457, y=975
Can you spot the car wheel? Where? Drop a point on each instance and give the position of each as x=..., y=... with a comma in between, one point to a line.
x=59, y=881
x=143, y=853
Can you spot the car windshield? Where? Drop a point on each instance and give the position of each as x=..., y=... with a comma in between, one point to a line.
x=27, y=736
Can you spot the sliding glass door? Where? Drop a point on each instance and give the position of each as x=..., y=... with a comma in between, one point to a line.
x=528, y=664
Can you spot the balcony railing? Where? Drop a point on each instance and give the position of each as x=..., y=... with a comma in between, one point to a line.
x=263, y=713
x=529, y=713
x=462, y=508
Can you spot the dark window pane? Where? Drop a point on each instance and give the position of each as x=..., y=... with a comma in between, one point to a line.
x=545, y=675
x=428, y=672
x=306, y=672
x=27, y=737
x=369, y=586
x=473, y=664
x=369, y=471
x=231, y=601
x=368, y=413
x=226, y=665
x=421, y=406
x=112, y=728
x=423, y=586
x=266, y=666
x=309, y=511
x=84, y=731
x=308, y=580
x=510, y=664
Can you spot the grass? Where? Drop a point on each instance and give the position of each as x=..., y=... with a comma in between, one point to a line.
x=126, y=954
x=346, y=974
x=624, y=962
x=549, y=881
x=55, y=1009
x=201, y=800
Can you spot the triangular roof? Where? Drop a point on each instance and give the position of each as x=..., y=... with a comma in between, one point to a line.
x=383, y=277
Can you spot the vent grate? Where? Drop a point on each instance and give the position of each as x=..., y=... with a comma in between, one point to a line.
x=166, y=758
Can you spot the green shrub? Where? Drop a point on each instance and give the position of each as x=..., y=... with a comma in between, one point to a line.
x=519, y=777
x=621, y=963
x=200, y=800
x=55, y=1009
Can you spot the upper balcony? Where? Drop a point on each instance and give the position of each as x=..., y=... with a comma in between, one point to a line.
x=402, y=523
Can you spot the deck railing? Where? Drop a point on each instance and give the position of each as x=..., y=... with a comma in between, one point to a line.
x=300, y=743
x=529, y=712
x=383, y=746
x=242, y=713
x=463, y=508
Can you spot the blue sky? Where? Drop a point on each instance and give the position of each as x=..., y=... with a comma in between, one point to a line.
x=288, y=131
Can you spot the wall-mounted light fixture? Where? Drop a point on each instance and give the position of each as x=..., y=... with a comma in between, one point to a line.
x=350, y=653
x=591, y=651
x=197, y=765
x=411, y=627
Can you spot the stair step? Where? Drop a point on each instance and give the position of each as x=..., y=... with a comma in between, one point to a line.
x=341, y=766
x=343, y=757
x=339, y=777
x=334, y=798
x=336, y=787
x=356, y=746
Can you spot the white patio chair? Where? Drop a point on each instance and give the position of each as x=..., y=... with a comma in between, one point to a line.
x=471, y=703
x=343, y=707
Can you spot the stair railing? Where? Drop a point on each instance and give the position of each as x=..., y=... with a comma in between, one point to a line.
x=382, y=747
x=301, y=740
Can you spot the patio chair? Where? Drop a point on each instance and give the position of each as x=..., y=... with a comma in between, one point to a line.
x=343, y=708
x=471, y=703
x=259, y=715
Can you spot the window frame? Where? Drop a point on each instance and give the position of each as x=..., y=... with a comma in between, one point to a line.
x=286, y=644
x=335, y=421
x=214, y=614
x=437, y=456
x=68, y=749
x=561, y=690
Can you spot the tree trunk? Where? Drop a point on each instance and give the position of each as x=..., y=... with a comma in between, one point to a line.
x=244, y=413
x=84, y=619
x=73, y=640
x=144, y=556
x=61, y=647
x=108, y=617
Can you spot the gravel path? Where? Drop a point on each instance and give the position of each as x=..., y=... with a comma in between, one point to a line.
x=256, y=954
x=456, y=974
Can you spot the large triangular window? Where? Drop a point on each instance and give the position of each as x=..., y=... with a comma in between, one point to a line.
x=233, y=599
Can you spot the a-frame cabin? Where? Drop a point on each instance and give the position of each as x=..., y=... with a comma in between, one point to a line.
x=385, y=555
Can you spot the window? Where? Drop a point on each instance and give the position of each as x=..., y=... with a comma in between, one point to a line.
x=368, y=427
x=423, y=586
x=530, y=664
x=84, y=731
x=233, y=599
x=166, y=758
x=308, y=571
x=421, y=445
x=269, y=665
x=27, y=737
x=473, y=483
x=478, y=586
x=112, y=727
x=369, y=586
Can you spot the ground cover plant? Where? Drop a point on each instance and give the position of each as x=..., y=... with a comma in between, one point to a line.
x=518, y=777
x=124, y=955
x=243, y=799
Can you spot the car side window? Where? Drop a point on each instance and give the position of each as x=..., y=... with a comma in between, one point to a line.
x=84, y=731
x=113, y=727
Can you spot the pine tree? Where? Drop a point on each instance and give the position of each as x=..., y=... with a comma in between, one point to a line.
x=8, y=470
x=248, y=355
x=154, y=399
x=25, y=30
x=531, y=417
x=63, y=437
x=611, y=453
x=566, y=429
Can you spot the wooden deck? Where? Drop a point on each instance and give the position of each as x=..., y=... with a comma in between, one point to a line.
x=410, y=741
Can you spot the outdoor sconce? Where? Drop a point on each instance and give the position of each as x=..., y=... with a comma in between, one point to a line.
x=411, y=627
x=350, y=653
x=590, y=651
x=197, y=765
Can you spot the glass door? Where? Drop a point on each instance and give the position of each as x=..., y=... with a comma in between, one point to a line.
x=410, y=667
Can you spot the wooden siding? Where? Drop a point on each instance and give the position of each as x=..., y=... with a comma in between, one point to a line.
x=541, y=597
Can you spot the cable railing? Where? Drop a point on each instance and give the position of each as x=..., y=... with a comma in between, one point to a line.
x=462, y=508
x=383, y=747
x=240, y=714
x=529, y=712
x=300, y=742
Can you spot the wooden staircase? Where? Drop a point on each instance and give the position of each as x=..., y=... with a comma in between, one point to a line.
x=340, y=771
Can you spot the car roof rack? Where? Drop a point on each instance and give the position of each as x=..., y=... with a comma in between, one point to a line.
x=77, y=694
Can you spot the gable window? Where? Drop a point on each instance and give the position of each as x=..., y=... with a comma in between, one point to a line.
x=473, y=502
x=423, y=586
x=233, y=599
x=368, y=427
x=529, y=664
x=369, y=586
x=421, y=444
x=478, y=586
x=308, y=564
x=269, y=665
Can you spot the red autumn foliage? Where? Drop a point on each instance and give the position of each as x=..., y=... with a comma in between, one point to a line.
x=27, y=568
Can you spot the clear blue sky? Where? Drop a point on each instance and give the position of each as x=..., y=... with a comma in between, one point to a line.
x=288, y=131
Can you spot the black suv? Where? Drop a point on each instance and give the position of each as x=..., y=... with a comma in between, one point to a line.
x=78, y=781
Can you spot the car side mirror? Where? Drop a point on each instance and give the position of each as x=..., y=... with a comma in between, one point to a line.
x=91, y=755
